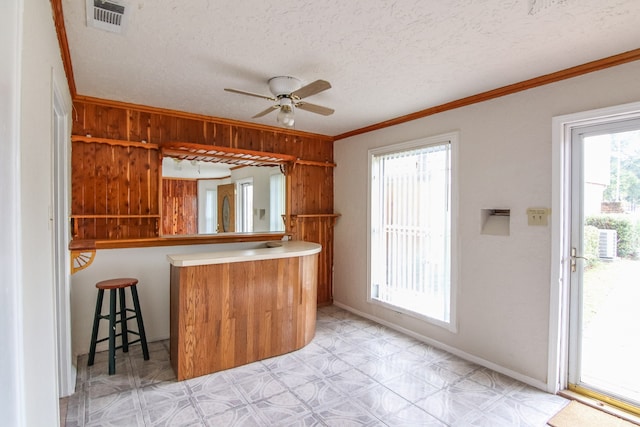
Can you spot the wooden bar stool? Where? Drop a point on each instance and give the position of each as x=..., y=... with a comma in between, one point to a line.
x=118, y=285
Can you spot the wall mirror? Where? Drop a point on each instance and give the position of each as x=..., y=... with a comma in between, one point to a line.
x=235, y=191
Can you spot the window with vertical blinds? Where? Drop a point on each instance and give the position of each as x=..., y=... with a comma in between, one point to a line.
x=276, y=202
x=410, y=226
x=244, y=215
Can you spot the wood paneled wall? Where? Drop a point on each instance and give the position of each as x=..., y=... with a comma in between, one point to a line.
x=311, y=186
x=179, y=207
x=114, y=191
x=318, y=229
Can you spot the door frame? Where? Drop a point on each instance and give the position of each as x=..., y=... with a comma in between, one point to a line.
x=61, y=257
x=562, y=127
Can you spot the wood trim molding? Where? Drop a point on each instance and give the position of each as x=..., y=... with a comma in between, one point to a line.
x=61, y=31
x=589, y=67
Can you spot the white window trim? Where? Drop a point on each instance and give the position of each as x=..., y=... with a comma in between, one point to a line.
x=452, y=138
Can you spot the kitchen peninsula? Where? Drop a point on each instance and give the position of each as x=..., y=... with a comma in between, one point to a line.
x=233, y=307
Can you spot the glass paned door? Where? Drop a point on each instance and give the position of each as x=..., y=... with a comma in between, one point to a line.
x=605, y=265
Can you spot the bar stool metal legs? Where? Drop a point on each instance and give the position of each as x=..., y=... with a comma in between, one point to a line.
x=116, y=289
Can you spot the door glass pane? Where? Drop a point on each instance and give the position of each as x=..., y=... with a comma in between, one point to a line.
x=610, y=291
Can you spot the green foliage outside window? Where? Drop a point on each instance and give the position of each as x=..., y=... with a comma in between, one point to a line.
x=628, y=232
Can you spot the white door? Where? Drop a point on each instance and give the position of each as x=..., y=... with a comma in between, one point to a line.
x=604, y=334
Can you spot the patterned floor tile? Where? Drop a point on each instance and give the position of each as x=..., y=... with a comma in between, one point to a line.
x=158, y=394
x=129, y=420
x=474, y=394
x=351, y=381
x=152, y=371
x=515, y=413
x=354, y=372
x=458, y=366
x=259, y=387
x=545, y=402
x=496, y=381
x=173, y=413
x=297, y=373
x=280, y=407
x=112, y=406
x=347, y=413
x=445, y=406
x=379, y=370
x=411, y=416
x=318, y=393
x=242, y=416
x=428, y=353
x=380, y=401
x=216, y=401
x=328, y=365
x=203, y=384
x=436, y=376
x=405, y=360
x=410, y=387
x=244, y=372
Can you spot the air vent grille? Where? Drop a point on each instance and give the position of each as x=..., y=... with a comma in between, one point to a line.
x=106, y=15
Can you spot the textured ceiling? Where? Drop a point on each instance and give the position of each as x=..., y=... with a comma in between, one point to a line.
x=384, y=58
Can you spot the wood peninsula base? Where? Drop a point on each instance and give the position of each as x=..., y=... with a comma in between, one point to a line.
x=230, y=309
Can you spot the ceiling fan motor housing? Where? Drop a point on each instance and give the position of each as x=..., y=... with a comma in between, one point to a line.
x=283, y=85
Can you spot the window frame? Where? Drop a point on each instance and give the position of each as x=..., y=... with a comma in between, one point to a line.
x=244, y=213
x=452, y=139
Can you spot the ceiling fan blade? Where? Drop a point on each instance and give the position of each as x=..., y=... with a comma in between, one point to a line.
x=241, y=92
x=311, y=89
x=265, y=112
x=318, y=109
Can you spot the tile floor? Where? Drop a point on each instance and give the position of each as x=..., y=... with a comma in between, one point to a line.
x=354, y=373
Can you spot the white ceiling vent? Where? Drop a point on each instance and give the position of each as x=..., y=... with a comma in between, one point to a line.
x=108, y=15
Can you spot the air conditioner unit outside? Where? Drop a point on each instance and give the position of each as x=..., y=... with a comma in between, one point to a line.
x=607, y=244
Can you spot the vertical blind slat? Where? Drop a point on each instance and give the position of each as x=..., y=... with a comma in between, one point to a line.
x=413, y=230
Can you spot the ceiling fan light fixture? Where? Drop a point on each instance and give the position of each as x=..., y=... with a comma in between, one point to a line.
x=288, y=93
x=285, y=116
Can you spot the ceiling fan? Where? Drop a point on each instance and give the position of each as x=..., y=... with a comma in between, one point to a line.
x=288, y=94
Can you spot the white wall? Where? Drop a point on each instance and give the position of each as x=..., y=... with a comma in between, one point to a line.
x=11, y=331
x=504, y=162
x=41, y=68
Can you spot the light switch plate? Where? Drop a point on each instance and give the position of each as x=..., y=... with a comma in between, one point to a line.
x=537, y=216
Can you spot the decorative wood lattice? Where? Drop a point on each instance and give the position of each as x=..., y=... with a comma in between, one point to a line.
x=232, y=156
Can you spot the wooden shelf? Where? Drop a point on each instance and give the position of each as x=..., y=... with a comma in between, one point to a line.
x=202, y=239
x=89, y=140
x=316, y=216
x=315, y=163
x=106, y=216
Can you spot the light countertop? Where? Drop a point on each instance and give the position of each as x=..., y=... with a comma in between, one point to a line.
x=257, y=251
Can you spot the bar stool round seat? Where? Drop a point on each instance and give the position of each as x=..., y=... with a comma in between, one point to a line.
x=116, y=289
